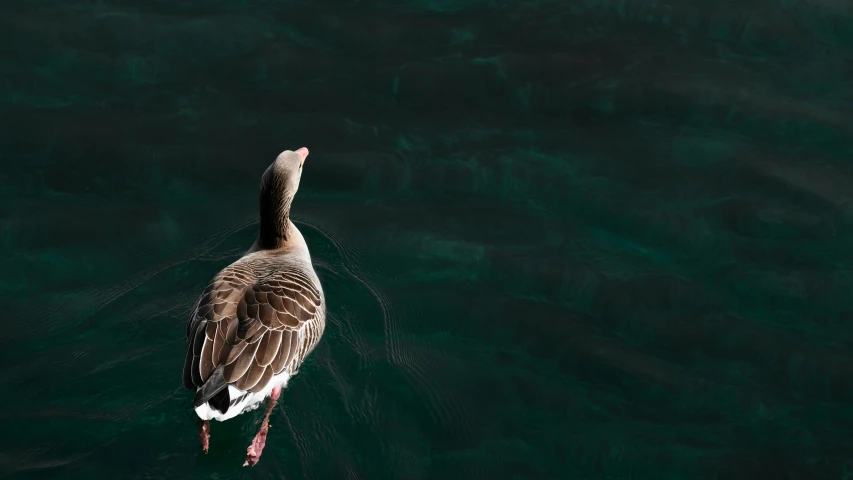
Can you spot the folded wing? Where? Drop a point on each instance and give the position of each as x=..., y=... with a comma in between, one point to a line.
x=254, y=328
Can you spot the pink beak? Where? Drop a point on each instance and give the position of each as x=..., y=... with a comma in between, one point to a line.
x=303, y=152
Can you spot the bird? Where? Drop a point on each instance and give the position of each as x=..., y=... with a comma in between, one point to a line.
x=259, y=318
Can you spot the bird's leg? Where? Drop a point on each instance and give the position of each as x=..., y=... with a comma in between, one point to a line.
x=253, y=453
x=204, y=434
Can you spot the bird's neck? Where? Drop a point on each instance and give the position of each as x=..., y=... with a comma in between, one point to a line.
x=274, y=237
x=293, y=241
x=276, y=228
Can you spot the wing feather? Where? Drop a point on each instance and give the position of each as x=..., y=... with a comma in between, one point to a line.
x=235, y=352
x=253, y=322
x=231, y=330
x=218, y=343
x=268, y=348
x=188, y=366
x=198, y=344
x=252, y=376
x=206, y=359
x=265, y=379
x=233, y=371
x=198, y=340
x=283, y=354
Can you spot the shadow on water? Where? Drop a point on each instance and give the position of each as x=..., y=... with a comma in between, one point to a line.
x=589, y=240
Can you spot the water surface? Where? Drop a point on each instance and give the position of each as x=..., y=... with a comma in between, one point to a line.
x=559, y=240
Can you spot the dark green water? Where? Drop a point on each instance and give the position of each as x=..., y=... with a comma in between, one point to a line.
x=559, y=240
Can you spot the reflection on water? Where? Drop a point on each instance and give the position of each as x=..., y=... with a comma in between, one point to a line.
x=597, y=240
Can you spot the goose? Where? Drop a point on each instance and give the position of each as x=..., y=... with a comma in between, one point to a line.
x=258, y=318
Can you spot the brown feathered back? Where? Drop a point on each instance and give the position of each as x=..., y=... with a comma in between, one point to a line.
x=259, y=317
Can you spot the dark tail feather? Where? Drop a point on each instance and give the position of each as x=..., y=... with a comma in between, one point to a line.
x=221, y=401
x=215, y=384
